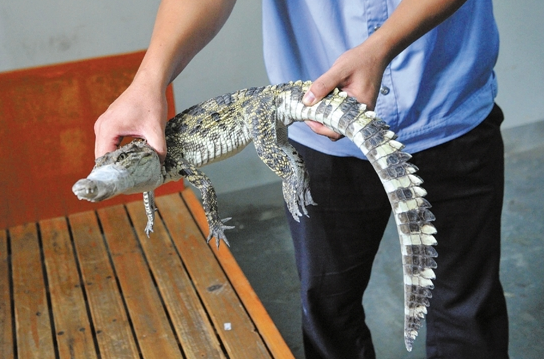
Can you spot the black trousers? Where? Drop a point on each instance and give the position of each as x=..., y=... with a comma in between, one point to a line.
x=336, y=246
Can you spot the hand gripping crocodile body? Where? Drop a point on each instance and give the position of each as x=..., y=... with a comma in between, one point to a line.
x=221, y=127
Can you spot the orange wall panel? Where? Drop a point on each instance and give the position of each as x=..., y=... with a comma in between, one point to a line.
x=47, y=138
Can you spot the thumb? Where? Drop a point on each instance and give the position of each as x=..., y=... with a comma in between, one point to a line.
x=105, y=142
x=105, y=145
x=319, y=89
x=158, y=142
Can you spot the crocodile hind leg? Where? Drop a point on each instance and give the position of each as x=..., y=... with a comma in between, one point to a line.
x=276, y=152
x=303, y=178
x=209, y=200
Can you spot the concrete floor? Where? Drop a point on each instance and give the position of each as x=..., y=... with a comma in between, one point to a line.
x=261, y=243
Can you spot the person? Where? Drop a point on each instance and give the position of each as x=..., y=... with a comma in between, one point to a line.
x=426, y=68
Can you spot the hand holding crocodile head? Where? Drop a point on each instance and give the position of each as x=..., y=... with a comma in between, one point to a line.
x=133, y=168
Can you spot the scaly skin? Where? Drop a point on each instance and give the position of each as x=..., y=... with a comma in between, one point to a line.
x=219, y=128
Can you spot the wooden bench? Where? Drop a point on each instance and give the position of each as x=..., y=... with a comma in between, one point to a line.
x=83, y=280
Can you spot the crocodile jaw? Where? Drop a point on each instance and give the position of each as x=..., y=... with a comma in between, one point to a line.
x=105, y=182
x=110, y=180
x=133, y=168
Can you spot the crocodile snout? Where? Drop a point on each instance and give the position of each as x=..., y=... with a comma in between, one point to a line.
x=85, y=189
x=92, y=190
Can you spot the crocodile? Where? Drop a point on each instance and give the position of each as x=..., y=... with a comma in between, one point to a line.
x=221, y=127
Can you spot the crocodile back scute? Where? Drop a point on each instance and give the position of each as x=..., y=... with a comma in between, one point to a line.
x=202, y=134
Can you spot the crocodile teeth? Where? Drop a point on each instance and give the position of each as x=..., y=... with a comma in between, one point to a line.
x=85, y=189
x=93, y=190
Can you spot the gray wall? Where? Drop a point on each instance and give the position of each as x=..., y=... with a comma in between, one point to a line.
x=34, y=33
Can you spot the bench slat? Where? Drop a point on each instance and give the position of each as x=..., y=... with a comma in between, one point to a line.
x=216, y=292
x=191, y=323
x=110, y=320
x=153, y=332
x=6, y=324
x=251, y=301
x=72, y=327
x=32, y=317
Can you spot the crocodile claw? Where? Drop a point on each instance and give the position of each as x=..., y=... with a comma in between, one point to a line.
x=148, y=228
x=297, y=197
x=217, y=232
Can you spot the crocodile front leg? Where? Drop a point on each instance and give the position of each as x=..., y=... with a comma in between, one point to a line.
x=150, y=209
x=209, y=200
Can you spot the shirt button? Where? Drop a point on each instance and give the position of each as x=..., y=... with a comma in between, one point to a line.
x=384, y=90
x=376, y=27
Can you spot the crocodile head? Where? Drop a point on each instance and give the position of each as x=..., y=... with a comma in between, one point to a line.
x=133, y=168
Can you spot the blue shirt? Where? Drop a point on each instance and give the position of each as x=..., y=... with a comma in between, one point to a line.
x=438, y=89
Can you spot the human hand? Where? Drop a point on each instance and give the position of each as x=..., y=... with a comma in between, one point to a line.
x=358, y=72
x=140, y=111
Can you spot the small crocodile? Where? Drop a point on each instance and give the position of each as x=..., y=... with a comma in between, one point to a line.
x=223, y=126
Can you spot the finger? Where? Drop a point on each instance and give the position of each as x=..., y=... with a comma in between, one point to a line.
x=320, y=88
x=159, y=147
x=158, y=142
x=323, y=130
x=102, y=146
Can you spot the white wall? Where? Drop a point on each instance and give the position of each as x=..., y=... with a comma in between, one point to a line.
x=520, y=69
x=37, y=32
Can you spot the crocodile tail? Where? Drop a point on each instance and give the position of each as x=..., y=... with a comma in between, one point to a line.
x=413, y=218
